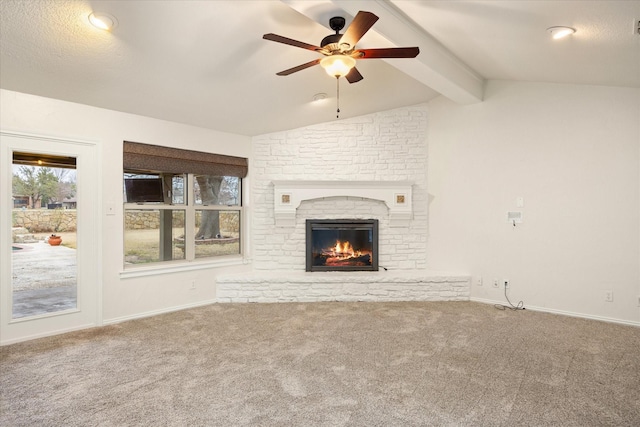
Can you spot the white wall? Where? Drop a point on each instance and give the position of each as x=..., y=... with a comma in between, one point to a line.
x=131, y=297
x=573, y=153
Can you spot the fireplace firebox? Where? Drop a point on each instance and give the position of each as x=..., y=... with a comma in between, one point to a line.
x=342, y=245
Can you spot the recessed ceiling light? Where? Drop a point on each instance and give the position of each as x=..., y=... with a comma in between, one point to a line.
x=319, y=96
x=102, y=20
x=560, y=32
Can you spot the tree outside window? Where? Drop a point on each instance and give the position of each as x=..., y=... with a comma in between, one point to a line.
x=43, y=185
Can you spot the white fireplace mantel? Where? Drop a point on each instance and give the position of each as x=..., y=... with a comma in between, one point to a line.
x=395, y=194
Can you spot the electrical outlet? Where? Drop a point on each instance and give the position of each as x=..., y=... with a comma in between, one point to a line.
x=608, y=296
x=193, y=285
x=495, y=283
x=506, y=283
x=638, y=300
x=479, y=281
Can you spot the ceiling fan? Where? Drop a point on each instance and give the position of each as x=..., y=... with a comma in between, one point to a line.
x=339, y=49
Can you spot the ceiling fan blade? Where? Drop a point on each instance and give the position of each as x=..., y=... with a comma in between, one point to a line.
x=360, y=25
x=299, y=67
x=392, y=52
x=290, y=42
x=353, y=76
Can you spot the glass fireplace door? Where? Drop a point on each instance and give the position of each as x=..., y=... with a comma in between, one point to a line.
x=342, y=245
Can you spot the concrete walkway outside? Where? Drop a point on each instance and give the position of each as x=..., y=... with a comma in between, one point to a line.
x=44, y=279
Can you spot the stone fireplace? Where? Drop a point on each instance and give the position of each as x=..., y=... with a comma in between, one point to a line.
x=341, y=245
x=369, y=167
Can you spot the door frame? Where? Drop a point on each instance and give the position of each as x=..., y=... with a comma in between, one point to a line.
x=89, y=275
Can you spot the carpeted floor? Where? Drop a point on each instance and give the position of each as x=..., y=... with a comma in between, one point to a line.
x=329, y=364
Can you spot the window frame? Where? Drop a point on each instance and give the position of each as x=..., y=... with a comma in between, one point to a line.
x=190, y=208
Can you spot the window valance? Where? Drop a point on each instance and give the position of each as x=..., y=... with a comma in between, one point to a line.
x=147, y=157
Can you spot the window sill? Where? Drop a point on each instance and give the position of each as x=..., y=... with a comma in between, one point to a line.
x=170, y=267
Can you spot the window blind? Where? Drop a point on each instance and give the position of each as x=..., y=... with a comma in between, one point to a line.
x=154, y=158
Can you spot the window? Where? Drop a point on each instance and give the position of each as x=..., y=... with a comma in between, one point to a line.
x=180, y=205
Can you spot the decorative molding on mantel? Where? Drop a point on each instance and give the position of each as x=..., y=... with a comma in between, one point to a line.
x=395, y=194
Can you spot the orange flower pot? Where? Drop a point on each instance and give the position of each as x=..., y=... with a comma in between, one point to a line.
x=55, y=240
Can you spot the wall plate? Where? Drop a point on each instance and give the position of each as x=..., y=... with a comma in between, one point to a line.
x=514, y=217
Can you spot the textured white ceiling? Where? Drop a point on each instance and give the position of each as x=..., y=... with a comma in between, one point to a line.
x=205, y=63
x=507, y=40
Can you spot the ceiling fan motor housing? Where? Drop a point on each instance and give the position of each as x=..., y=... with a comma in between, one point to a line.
x=331, y=42
x=337, y=23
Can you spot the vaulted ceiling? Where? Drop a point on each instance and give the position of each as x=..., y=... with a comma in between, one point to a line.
x=205, y=63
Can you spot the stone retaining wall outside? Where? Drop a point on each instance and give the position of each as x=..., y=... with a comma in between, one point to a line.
x=58, y=220
x=45, y=220
x=150, y=220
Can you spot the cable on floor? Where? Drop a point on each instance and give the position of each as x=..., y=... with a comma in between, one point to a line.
x=519, y=306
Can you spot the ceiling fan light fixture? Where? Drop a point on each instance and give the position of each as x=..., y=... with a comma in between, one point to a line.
x=103, y=21
x=337, y=65
x=560, y=32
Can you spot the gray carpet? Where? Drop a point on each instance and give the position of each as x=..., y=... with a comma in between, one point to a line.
x=329, y=364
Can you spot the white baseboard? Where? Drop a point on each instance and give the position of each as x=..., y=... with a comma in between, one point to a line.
x=47, y=334
x=563, y=312
x=108, y=322
x=157, y=312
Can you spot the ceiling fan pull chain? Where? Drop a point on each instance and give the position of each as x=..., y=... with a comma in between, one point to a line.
x=338, y=97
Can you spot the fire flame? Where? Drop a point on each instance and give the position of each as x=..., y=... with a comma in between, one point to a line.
x=344, y=254
x=342, y=250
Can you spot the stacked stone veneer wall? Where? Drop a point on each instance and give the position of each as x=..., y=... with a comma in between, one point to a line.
x=386, y=146
x=45, y=220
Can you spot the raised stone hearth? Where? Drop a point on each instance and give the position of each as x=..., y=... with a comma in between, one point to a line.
x=338, y=286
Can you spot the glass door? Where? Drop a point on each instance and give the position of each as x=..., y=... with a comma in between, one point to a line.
x=49, y=248
x=44, y=263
